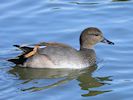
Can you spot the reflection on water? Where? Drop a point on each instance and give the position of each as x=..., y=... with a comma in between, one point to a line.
x=87, y=82
x=33, y=21
x=89, y=3
x=119, y=0
x=94, y=3
x=85, y=78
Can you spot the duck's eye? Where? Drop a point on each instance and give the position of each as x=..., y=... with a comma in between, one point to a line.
x=96, y=34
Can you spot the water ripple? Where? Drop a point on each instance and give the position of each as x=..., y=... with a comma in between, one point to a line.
x=32, y=21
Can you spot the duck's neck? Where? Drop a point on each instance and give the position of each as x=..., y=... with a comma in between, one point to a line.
x=86, y=46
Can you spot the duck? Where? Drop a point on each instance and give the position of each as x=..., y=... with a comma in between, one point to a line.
x=58, y=55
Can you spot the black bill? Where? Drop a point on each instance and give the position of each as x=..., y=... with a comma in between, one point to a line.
x=107, y=41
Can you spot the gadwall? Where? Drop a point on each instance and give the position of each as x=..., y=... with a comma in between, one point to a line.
x=58, y=55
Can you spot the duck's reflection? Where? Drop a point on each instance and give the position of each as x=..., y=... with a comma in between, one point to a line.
x=87, y=82
x=62, y=76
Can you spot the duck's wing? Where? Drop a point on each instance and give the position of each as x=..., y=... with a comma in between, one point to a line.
x=30, y=51
x=47, y=44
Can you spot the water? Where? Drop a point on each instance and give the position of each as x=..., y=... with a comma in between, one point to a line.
x=32, y=21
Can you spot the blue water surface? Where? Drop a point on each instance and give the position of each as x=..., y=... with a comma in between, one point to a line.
x=32, y=21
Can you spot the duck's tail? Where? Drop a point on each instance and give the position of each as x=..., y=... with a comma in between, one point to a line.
x=25, y=49
x=19, y=60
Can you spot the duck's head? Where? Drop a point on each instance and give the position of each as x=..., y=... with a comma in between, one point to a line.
x=91, y=36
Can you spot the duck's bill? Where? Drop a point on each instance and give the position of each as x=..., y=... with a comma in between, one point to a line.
x=107, y=41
